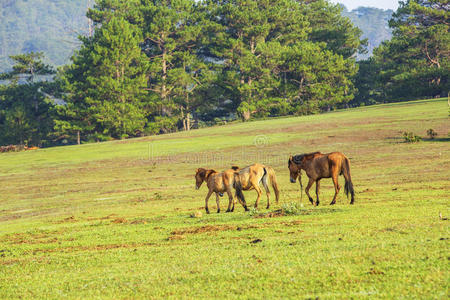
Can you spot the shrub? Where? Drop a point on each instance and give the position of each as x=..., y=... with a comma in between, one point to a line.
x=410, y=137
x=292, y=208
x=431, y=133
x=253, y=211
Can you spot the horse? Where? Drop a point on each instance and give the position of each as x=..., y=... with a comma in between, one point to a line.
x=249, y=178
x=218, y=183
x=318, y=166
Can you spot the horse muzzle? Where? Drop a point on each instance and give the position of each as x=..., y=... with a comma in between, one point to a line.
x=292, y=180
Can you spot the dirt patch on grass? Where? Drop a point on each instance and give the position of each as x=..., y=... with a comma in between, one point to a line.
x=92, y=248
x=70, y=219
x=181, y=233
x=203, y=229
x=281, y=213
x=33, y=213
x=27, y=238
x=119, y=221
x=211, y=228
x=272, y=214
x=9, y=262
x=374, y=271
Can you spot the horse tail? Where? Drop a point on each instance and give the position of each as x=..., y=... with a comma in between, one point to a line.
x=348, y=180
x=269, y=172
x=238, y=187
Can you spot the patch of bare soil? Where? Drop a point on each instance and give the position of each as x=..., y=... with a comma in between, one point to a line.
x=70, y=219
x=9, y=262
x=33, y=213
x=272, y=214
x=119, y=221
x=24, y=238
x=92, y=248
x=211, y=228
x=374, y=271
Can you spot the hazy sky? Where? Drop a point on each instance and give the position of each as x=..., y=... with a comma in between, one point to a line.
x=384, y=4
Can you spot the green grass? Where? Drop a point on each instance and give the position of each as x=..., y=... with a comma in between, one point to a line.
x=112, y=220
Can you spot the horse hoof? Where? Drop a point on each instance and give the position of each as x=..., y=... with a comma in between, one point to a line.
x=352, y=202
x=333, y=203
x=218, y=211
x=267, y=207
x=207, y=212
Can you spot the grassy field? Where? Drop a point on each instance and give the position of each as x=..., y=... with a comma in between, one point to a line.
x=112, y=220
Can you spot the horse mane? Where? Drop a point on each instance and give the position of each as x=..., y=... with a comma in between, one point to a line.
x=297, y=159
x=209, y=173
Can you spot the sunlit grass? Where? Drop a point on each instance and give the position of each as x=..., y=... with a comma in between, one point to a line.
x=111, y=220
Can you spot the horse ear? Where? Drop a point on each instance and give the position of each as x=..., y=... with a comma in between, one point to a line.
x=197, y=170
x=290, y=158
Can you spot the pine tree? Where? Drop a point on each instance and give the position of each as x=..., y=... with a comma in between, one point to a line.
x=26, y=114
x=249, y=40
x=107, y=84
x=317, y=79
x=415, y=63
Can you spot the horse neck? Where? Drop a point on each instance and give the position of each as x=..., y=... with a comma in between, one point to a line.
x=209, y=173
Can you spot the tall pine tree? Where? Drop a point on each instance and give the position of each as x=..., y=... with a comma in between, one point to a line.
x=107, y=82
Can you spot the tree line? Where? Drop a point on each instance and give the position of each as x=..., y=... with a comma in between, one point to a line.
x=153, y=67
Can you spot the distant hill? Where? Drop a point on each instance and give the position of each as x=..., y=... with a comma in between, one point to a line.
x=374, y=24
x=52, y=26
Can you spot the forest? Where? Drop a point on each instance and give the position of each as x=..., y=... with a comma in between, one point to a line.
x=149, y=67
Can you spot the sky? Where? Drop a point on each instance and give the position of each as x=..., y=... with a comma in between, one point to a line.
x=384, y=4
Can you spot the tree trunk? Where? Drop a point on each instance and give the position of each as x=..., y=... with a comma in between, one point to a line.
x=188, y=121
x=78, y=138
x=164, y=74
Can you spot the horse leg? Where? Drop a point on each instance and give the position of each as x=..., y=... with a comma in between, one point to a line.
x=317, y=191
x=266, y=187
x=310, y=183
x=230, y=200
x=258, y=190
x=218, y=202
x=206, y=201
x=336, y=187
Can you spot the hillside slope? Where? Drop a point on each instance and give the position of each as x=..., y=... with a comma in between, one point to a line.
x=49, y=26
x=111, y=220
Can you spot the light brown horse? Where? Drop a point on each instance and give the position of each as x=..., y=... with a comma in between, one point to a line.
x=218, y=183
x=249, y=178
x=318, y=166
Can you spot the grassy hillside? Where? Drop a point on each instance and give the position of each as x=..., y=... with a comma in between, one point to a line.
x=112, y=220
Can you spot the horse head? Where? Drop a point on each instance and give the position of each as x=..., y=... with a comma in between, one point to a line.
x=200, y=176
x=294, y=165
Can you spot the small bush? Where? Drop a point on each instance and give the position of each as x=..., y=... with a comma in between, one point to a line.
x=431, y=133
x=410, y=137
x=292, y=208
x=253, y=212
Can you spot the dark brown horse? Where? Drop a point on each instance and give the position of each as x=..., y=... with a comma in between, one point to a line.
x=318, y=166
